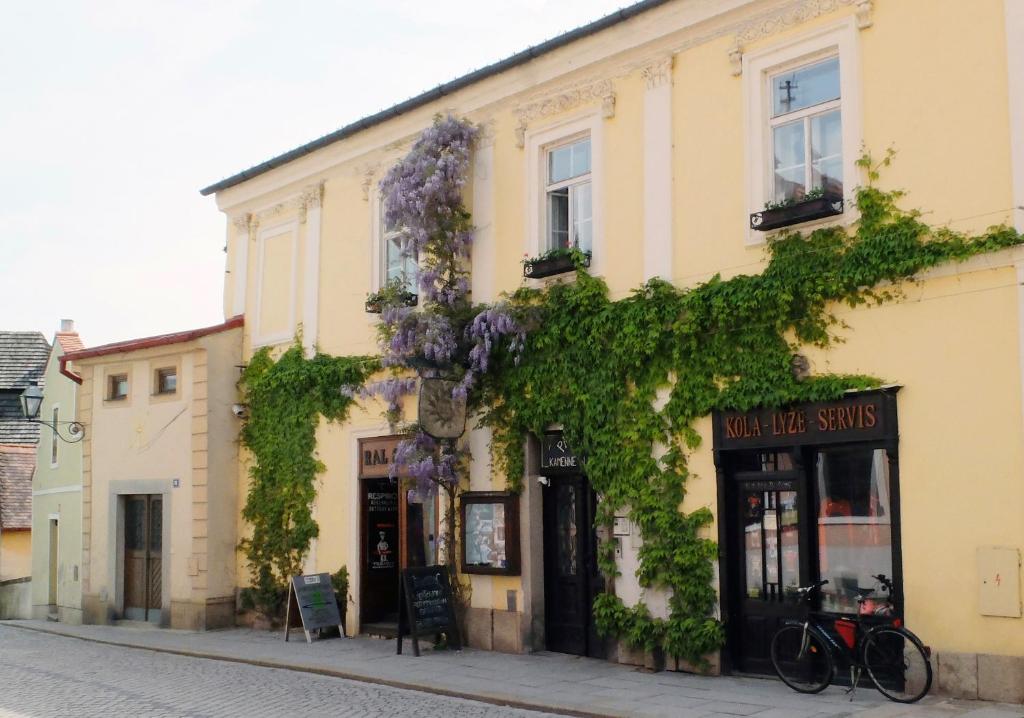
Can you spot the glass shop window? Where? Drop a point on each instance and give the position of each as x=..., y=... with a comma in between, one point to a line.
x=854, y=523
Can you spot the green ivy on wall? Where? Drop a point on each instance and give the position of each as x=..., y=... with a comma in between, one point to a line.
x=286, y=399
x=628, y=379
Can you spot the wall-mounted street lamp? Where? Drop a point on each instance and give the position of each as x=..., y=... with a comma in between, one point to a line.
x=32, y=400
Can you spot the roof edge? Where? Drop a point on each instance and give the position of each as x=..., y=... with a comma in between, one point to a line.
x=154, y=341
x=447, y=88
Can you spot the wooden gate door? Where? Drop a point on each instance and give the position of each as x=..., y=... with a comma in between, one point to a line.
x=571, y=576
x=143, y=586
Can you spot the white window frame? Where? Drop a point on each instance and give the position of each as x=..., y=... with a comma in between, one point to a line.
x=803, y=116
x=378, y=249
x=840, y=40
x=259, y=338
x=570, y=183
x=538, y=142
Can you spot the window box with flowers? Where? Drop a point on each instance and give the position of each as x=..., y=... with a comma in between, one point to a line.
x=555, y=261
x=393, y=293
x=816, y=204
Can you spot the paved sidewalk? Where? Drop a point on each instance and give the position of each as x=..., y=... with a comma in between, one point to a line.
x=541, y=681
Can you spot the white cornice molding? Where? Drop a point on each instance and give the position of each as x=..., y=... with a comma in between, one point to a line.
x=791, y=15
x=367, y=173
x=602, y=91
x=241, y=222
x=311, y=197
x=658, y=73
x=486, y=134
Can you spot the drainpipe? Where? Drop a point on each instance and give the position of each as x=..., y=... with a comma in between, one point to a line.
x=67, y=372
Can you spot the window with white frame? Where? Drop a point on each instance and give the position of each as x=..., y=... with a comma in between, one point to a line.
x=395, y=265
x=806, y=131
x=569, y=196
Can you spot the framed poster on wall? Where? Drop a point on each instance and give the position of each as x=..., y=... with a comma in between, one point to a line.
x=490, y=533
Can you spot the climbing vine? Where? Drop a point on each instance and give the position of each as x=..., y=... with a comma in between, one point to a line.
x=628, y=379
x=285, y=400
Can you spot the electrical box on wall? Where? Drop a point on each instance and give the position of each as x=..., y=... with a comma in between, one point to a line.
x=999, y=581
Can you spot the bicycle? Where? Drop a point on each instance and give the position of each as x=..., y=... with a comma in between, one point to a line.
x=804, y=654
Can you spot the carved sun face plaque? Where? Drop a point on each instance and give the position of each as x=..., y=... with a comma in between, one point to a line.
x=440, y=415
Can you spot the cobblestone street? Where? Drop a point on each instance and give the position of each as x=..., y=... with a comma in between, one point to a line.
x=43, y=675
x=46, y=670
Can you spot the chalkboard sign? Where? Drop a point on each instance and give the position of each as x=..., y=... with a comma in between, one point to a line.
x=312, y=605
x=426, y=606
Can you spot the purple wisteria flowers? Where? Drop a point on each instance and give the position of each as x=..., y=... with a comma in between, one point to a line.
x=445, y=336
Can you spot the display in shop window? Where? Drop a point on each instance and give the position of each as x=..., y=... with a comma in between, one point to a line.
x=490, y=533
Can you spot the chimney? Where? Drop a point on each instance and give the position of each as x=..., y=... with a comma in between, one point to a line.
x=67, y=325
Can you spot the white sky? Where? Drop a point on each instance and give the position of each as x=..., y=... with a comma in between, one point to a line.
x=114, y=113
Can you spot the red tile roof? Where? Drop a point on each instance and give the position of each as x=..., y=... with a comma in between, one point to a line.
x=69, y=341
x=146, y=343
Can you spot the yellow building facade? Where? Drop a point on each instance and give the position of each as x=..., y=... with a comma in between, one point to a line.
x=158, y=478
x=680, y=121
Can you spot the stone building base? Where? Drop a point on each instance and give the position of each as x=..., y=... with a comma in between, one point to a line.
x=979, y=676
x=203, y=615
x=188, y=615
x=494, y=630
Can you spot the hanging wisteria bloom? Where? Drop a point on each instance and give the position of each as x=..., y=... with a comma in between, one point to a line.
x=422, y=197
x=486, y=332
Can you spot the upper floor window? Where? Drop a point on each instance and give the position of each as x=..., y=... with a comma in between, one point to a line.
x=117, y=387
x=394, y=264
x=53, y=436
x=806, y=132
x=804, y=125
x=570, y=216
x=166, y=380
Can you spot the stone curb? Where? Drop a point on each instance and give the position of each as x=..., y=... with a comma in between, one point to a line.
x=491, y=699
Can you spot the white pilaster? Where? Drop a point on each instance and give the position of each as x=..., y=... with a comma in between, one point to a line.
x=240, y=272
x=1015, y=74
x=658, y=170
x=482, y=275
x=312, y=200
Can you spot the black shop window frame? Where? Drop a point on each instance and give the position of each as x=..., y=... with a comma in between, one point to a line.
x=476, y=509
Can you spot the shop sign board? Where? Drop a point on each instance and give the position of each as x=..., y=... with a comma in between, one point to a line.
x=862, y=417
x=556, y=457
x=376, y=456
x=426, y=607
x=312, y=605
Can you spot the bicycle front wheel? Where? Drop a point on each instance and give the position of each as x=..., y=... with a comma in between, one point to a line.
x=897, y=664
x=801, y=659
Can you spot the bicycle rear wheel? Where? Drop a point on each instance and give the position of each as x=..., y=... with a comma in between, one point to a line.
x=897, y=664
x=801, y=659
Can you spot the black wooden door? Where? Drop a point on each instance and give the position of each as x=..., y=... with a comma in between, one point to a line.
x=380, y=549
x=769, y=560
x=571, y=576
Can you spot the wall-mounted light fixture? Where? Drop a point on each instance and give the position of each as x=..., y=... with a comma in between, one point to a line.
x=32, y=400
